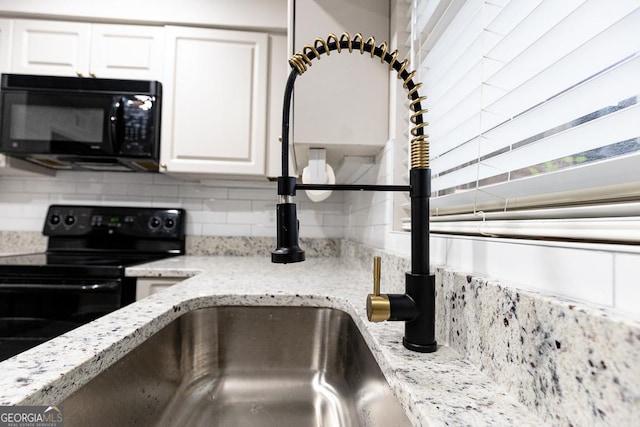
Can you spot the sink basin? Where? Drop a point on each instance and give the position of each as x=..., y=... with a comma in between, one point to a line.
x=243, y=366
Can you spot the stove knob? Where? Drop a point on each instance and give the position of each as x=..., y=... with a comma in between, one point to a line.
x=155, y=222
x=169, y=223
x=69, y=220
x=55, y=219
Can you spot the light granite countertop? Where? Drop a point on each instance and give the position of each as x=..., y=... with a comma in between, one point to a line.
x=441, y=388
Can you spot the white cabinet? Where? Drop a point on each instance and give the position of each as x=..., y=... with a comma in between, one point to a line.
x=342, y=101
x=83, y=49
x=127, y=51
x=50, y=47
x=5, y=44
x=214, y=114
x=146, y=286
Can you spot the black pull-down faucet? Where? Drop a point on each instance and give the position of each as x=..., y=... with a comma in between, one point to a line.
x=416, y=307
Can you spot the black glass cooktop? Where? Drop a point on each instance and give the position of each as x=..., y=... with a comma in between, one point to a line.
x=73, y=264
x=78, y=259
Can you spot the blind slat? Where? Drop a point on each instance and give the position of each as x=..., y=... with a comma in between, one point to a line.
x=617, y=178
x=616, y=127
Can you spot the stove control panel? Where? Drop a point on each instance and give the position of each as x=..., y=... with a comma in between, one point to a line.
x=101, y=221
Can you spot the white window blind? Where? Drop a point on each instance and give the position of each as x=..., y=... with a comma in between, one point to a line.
x=532, y=103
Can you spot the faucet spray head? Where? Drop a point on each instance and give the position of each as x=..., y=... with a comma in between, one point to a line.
x=287, y=249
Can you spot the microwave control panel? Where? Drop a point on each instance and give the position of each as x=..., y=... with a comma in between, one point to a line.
x=138, y=130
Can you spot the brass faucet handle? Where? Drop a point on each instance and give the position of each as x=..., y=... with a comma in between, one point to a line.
x=378, y=306
x=377, y=266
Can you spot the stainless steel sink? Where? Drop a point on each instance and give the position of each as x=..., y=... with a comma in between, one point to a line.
x=243, y=366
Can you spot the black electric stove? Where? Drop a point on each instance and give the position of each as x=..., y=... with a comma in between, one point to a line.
x=81, y=276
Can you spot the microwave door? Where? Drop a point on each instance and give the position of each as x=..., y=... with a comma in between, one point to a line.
x=56, y=123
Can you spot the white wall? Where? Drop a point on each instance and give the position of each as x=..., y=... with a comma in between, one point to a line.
x=211, y=211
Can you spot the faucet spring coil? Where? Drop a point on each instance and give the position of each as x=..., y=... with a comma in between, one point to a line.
x=300, y=61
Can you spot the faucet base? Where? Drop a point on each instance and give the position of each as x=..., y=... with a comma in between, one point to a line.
x=419, y=333
x=430, y=348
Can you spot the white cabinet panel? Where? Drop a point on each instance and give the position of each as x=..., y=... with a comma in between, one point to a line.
x=83, y=49
x=50, y=47
x=215, y=98
x=127, y=51
x=6, y=26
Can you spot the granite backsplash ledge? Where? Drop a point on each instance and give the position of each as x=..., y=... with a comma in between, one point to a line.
x=256, y=246
x=22, y=242
x=32, y=241
x=569, y=363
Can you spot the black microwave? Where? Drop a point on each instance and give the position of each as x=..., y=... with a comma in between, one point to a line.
x=74, y=123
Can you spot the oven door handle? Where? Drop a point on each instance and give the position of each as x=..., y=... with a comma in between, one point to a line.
x=95, y=287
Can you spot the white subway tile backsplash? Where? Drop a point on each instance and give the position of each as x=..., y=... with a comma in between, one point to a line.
x=52, y=186
x=263, y=205
x=208, y=217
x=161, y=178
x=86, y=176
x=11, y=210
x=224, y=211
x=119, y=177
x=175, y=202
x=334, y=220
x=22, y=224
x=78, y=199
x=309, y=219
x=253, y=194
x=193, y=229
x=243, y=217
x=581, y=274
x=226, y=229
x=10, y=185
x=116, y=200
x=312, y=231
x=627, y=282
x=189, y=190
x=32, y=210
x=152, y=190
x=263, y=230
x=229, y=205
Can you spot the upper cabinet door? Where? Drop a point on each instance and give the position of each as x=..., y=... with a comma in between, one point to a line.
x=127, y=51
x=87, y=50
x=5, y=44
x=214, y=102
x=50, y=47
